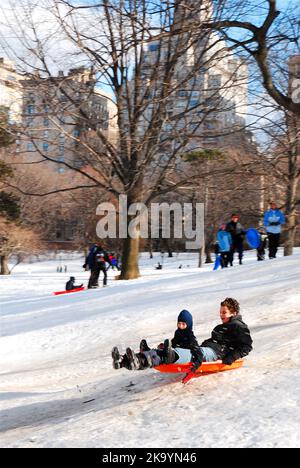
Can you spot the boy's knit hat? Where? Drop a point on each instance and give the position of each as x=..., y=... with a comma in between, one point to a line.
x=186, y=317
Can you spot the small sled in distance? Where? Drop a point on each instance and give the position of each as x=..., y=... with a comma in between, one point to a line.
x=60, y=293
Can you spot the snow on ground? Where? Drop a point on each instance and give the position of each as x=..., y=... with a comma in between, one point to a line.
x=58, y=388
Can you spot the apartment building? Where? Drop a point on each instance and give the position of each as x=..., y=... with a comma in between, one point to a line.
x=210, y=84
x=58, y=115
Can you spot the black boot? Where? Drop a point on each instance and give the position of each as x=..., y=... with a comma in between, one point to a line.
x=133, y=361
x=169, y=355
x=116, y=358
x=144, y=346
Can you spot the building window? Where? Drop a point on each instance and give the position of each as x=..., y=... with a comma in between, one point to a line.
x=153, y=47
x=46, y=122
x=182, y=93
x=30, y=109
x=76, y=133
x=209, y=125
x=193, y=103
x=45, y=146
x=30, y=147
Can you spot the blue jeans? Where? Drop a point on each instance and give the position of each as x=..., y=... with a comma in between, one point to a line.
x=185, y=355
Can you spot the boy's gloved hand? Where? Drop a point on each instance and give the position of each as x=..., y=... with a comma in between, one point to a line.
x=197, y=359
x=228, y=360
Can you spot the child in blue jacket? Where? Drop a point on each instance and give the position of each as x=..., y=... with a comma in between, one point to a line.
x=225, y=243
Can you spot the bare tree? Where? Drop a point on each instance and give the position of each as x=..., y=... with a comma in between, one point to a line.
x=15, y=240
x=268, y=42
x=281, y=162
x=149, y=56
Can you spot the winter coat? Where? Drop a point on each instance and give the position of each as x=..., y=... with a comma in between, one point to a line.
x=97, y=258
x=225, y=241
x=70, y=285
x=236, y=230
x=273, y=221
x=230, y=340
x=185, y=338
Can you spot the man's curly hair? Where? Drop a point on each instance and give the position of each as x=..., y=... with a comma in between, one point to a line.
x=232, y=305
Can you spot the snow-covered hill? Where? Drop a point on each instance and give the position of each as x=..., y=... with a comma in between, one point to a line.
x=58, y=388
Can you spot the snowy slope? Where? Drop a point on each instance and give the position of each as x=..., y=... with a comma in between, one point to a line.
x=55, y=358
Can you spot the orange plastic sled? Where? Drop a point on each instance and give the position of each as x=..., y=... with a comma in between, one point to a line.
x=206, y=368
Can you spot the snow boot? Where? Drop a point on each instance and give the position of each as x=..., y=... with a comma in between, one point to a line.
x=116, y=358
x=169, y=355
x=133, y=361
x=144, y=346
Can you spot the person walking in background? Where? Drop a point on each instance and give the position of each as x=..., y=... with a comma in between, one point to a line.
x=224, y=245
x=237, y=232
x=96, y=263
x=273, y=222
x=114, y=262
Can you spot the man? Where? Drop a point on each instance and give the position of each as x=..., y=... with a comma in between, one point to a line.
x=96, y=262
x=237, y=233
x=273, y=222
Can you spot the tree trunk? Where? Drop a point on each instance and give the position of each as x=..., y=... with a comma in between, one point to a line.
x=200, y=258
x=291, y=213
x=4, y=270
x=150, y=249
x=130, y=259
x=291, y=234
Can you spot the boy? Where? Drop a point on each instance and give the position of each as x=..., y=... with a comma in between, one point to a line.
x=237, y=232
x=184, y=339
x=225, y=244
x=229, y=341
x=71, y=284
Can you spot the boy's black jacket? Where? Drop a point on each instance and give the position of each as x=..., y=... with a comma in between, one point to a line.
x=231, y=340
x=184, y=339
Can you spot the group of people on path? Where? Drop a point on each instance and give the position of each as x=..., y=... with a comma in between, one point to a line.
x=229, y=341
x=97, y=261
x=231, y=236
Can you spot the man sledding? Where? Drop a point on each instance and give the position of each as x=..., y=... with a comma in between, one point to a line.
x=229, y=341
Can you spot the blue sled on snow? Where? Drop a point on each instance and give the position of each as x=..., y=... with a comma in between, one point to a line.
x=253, y=238
x=218, y=262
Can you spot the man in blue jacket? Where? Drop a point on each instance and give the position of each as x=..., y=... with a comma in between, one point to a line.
x=273, y=222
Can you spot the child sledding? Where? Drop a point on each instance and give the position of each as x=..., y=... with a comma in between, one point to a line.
x=229, y=342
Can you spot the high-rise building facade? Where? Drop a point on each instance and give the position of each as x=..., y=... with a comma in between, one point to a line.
x=210, y=83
